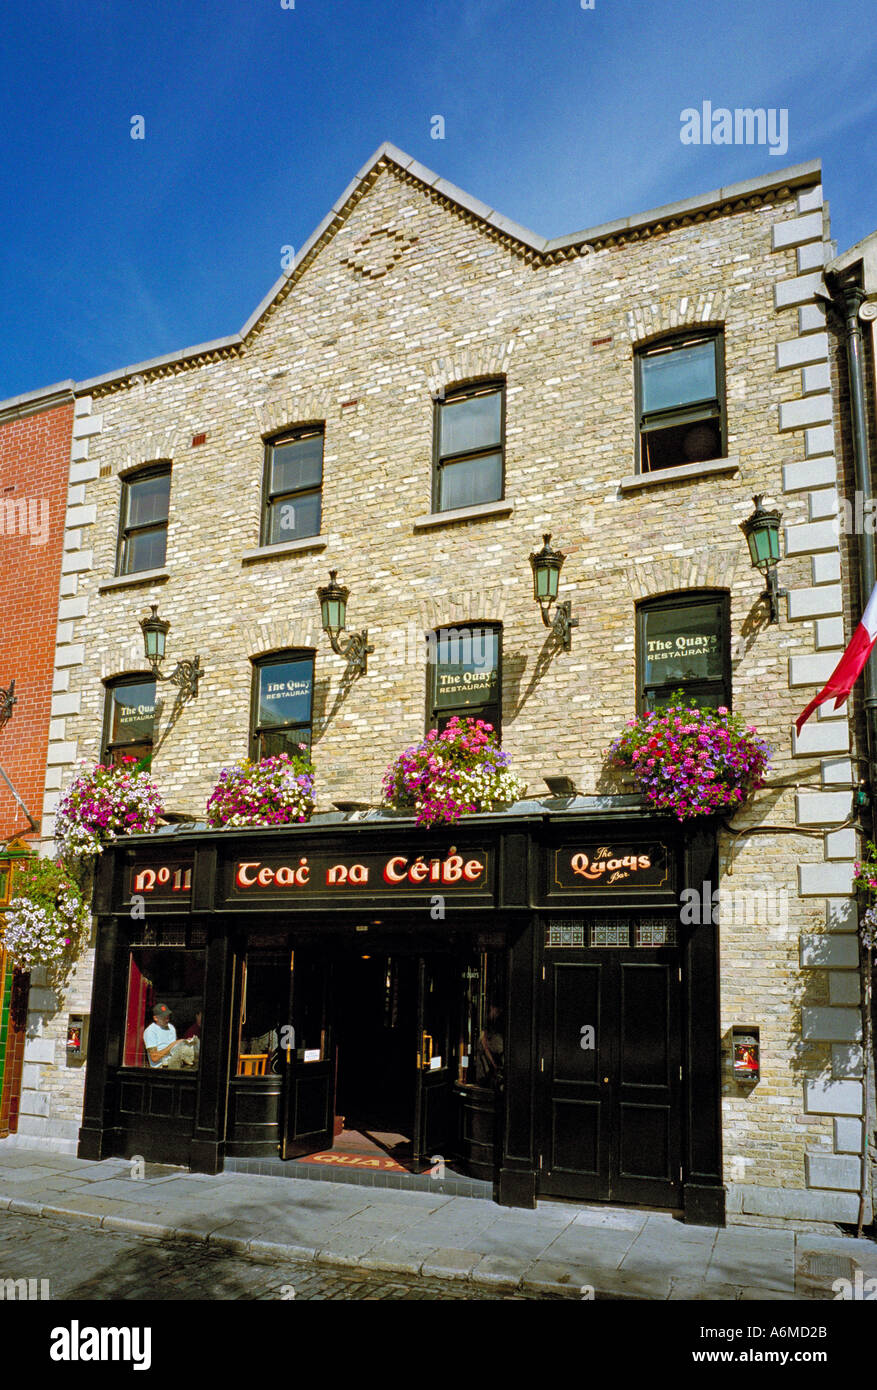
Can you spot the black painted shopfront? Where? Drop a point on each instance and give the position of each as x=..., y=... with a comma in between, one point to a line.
x=515, y=996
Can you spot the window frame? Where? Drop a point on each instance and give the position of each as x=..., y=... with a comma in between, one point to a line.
x=463, y=391
x=672, y=602
x=690, y=412
x=139, y=475
x=281, y=658
x=116, y=683
x=462, y=712
x=269, y=499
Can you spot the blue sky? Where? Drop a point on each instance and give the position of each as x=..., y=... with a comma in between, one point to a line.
x=114, y=250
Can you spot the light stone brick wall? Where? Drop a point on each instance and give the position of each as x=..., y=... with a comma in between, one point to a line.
x=405, y=293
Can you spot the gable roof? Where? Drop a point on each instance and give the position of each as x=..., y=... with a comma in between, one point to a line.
x=511, y=233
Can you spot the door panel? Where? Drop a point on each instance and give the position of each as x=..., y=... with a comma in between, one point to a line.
x=611, y=1113
x=649, y=1150
x=309, y=1064
x=575, y=1158
x=435, y=1060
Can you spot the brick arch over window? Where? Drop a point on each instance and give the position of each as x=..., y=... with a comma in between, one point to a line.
x=487, y=605
x=475, y=363
x=280, y=413
x=705, y=568
x=125, y=657
x=150, y=449
x=662, y=317
x=267, y=639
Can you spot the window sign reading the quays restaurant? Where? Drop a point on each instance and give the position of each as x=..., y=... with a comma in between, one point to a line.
x=601, y=864
x=466, y=667
x=323, y=873
x=133, y=712
x=683, y=644
x=285, y=693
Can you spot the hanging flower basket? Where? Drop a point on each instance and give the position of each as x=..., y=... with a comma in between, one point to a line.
x=47, y=921
x=105, y=802
x=455, y=773
x=693, y=762
x=274, y=791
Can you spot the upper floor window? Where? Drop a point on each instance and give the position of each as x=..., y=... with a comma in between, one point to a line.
x=680, y=401
x=465, y=676
x=293, y=486
x=143, y=520
x=283, y=697
x=683, y=643
x=129, y=719
x=468, y=450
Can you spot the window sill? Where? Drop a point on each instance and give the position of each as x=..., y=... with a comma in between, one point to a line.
x=483, y=509
x=684, y=472
x=128, y=581
x=270, y=552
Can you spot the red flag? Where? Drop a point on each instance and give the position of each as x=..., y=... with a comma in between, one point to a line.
x=848, y=669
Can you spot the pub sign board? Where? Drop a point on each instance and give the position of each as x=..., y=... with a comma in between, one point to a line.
x=612, y=866
x=328, y=875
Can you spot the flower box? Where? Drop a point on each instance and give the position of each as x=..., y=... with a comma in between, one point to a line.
x=693, y=762
x=272, y=791
x=457, y=772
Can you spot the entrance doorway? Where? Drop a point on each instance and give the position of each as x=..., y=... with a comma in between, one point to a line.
x=375, y=1011
x=611, y=1114
x=373, y=1059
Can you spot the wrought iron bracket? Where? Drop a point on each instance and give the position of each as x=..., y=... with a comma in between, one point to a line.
x=562, y=623
x=8, y=699
x=185, y=676
x=773, y=594
x=356, y=650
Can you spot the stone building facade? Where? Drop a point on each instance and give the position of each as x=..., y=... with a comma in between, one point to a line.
x=407, y=290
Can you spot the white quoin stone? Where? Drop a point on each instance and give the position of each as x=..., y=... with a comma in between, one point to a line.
x=830, y=951
x=798, y=230
x=833, y=1097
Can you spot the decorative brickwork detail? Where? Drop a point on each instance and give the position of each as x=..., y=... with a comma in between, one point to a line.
x=375, y=254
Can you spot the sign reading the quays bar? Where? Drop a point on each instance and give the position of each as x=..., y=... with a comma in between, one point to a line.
x=303, y=874
x=601, y=864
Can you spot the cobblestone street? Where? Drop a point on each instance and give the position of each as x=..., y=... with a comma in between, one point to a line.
x=103, y=1266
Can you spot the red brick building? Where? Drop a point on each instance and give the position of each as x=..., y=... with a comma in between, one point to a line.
x=35, y=445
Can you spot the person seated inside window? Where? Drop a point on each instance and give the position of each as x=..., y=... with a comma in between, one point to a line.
x=162, y=1047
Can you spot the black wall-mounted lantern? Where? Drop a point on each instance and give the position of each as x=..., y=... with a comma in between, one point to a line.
x=333, y=611
x=186, y=674
x=762, y=532
x=547, y=564
x=8, y=699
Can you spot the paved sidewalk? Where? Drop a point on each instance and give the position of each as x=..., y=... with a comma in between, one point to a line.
x=560, y=1248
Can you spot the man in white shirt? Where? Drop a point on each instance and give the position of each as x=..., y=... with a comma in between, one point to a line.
x=160, y=1038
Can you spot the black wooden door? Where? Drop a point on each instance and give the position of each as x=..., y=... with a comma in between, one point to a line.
x=610, y=1112
x=309, y=1060
x=435, y=1061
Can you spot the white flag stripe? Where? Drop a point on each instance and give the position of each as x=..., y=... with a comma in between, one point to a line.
x=869, y=617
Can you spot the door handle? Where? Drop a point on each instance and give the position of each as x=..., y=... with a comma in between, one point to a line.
x=605, y=1080
x=426, y=1050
